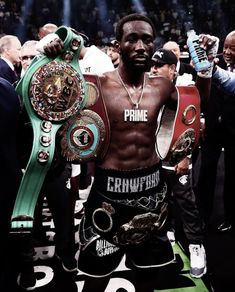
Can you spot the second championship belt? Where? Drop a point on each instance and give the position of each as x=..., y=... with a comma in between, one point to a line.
x=85, y=136
x=179, y=129
x=53, y=91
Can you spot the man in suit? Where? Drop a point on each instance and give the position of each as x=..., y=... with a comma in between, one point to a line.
x=10, y=47
x=219, y=134
x=10, y=175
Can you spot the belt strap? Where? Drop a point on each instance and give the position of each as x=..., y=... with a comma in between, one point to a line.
x=178, y=132
x=53, y=90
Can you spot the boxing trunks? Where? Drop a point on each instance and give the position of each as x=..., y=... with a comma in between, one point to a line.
x=125, y=213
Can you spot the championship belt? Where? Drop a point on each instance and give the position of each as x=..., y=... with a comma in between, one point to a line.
x=86, y=136
x=53, y=91
x=178, y=132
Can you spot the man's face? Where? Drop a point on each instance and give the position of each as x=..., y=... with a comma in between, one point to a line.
x=164, y=70
x=13, y=51
x=171, y=46
x=136, y=46
x=112, y=53
x=27, y=55
x=229, y=49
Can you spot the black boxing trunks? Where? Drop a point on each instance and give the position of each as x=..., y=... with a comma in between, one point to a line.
x=127, y=211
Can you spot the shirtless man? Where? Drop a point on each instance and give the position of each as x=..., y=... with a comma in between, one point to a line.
x=130, y=158
x=127, y=204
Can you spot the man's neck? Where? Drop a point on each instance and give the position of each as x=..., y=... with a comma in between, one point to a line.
x=131, y=76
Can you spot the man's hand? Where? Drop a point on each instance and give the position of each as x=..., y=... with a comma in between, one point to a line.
x=209, y=43
x=54, y=48
x=51, y=45
x=183, y=166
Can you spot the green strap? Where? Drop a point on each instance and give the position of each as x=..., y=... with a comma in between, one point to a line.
x=32, y=180
x=43, y=77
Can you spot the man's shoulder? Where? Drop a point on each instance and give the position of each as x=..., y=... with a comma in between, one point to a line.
x=4, y=64
x=8, y=95
x=6, y=85
x=160, y=84
x=158, y=80
x=186, y=67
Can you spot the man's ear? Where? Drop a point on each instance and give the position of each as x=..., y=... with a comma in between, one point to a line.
x=173, y=67
x=117, y=46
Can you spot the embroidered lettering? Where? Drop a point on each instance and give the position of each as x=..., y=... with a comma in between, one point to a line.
x=132, y=185
x=135, y=115
x=109, y=186
x=117, y=185
x=125, y=185
x=104, y=248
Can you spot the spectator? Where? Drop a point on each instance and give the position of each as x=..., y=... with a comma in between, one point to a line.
x=46, y=29
x=183, y=69
x=219, y=134
x=113, y=53
x=10, y=175
x=179, y=179
x=28, y=52
x=10, y=47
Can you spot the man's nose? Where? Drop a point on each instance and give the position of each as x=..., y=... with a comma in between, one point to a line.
x=140, y=45
x=227, y=51
x=154, y=71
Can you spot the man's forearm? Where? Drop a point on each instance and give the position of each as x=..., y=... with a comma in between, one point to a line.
x=225, y=80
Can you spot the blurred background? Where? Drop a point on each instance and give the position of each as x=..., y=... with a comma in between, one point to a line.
x=98, y=18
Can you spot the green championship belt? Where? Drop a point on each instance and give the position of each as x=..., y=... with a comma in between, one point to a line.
x=53, y=90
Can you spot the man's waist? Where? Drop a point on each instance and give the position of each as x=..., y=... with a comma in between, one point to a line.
x=132, y=183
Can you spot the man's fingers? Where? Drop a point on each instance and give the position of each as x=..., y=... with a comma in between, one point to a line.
x=54, y=48
x=206, y=41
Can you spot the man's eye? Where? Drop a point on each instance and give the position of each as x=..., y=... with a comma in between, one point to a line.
x=148, y=41
x=131, y=40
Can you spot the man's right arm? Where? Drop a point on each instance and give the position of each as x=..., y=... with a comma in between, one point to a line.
x=225, y=80
x=51, y=45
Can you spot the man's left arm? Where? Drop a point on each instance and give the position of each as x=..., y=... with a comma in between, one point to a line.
x=224, y=80
x=203, y=82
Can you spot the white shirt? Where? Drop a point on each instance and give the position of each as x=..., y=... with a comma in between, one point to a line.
x=96, y=62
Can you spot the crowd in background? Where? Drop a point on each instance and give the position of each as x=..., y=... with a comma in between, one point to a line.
x=98, y=18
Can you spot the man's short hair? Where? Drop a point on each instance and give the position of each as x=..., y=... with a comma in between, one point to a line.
x=132, y=17
x=5, y=42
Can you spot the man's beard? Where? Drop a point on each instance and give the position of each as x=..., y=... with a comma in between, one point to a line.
x=132, y=64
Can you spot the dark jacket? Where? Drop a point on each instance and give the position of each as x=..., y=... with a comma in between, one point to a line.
x=187, y=68
x=10, y=172
x=7, y=73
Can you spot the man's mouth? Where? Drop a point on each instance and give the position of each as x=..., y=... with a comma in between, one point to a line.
x=140, y=58
x=227, y=58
